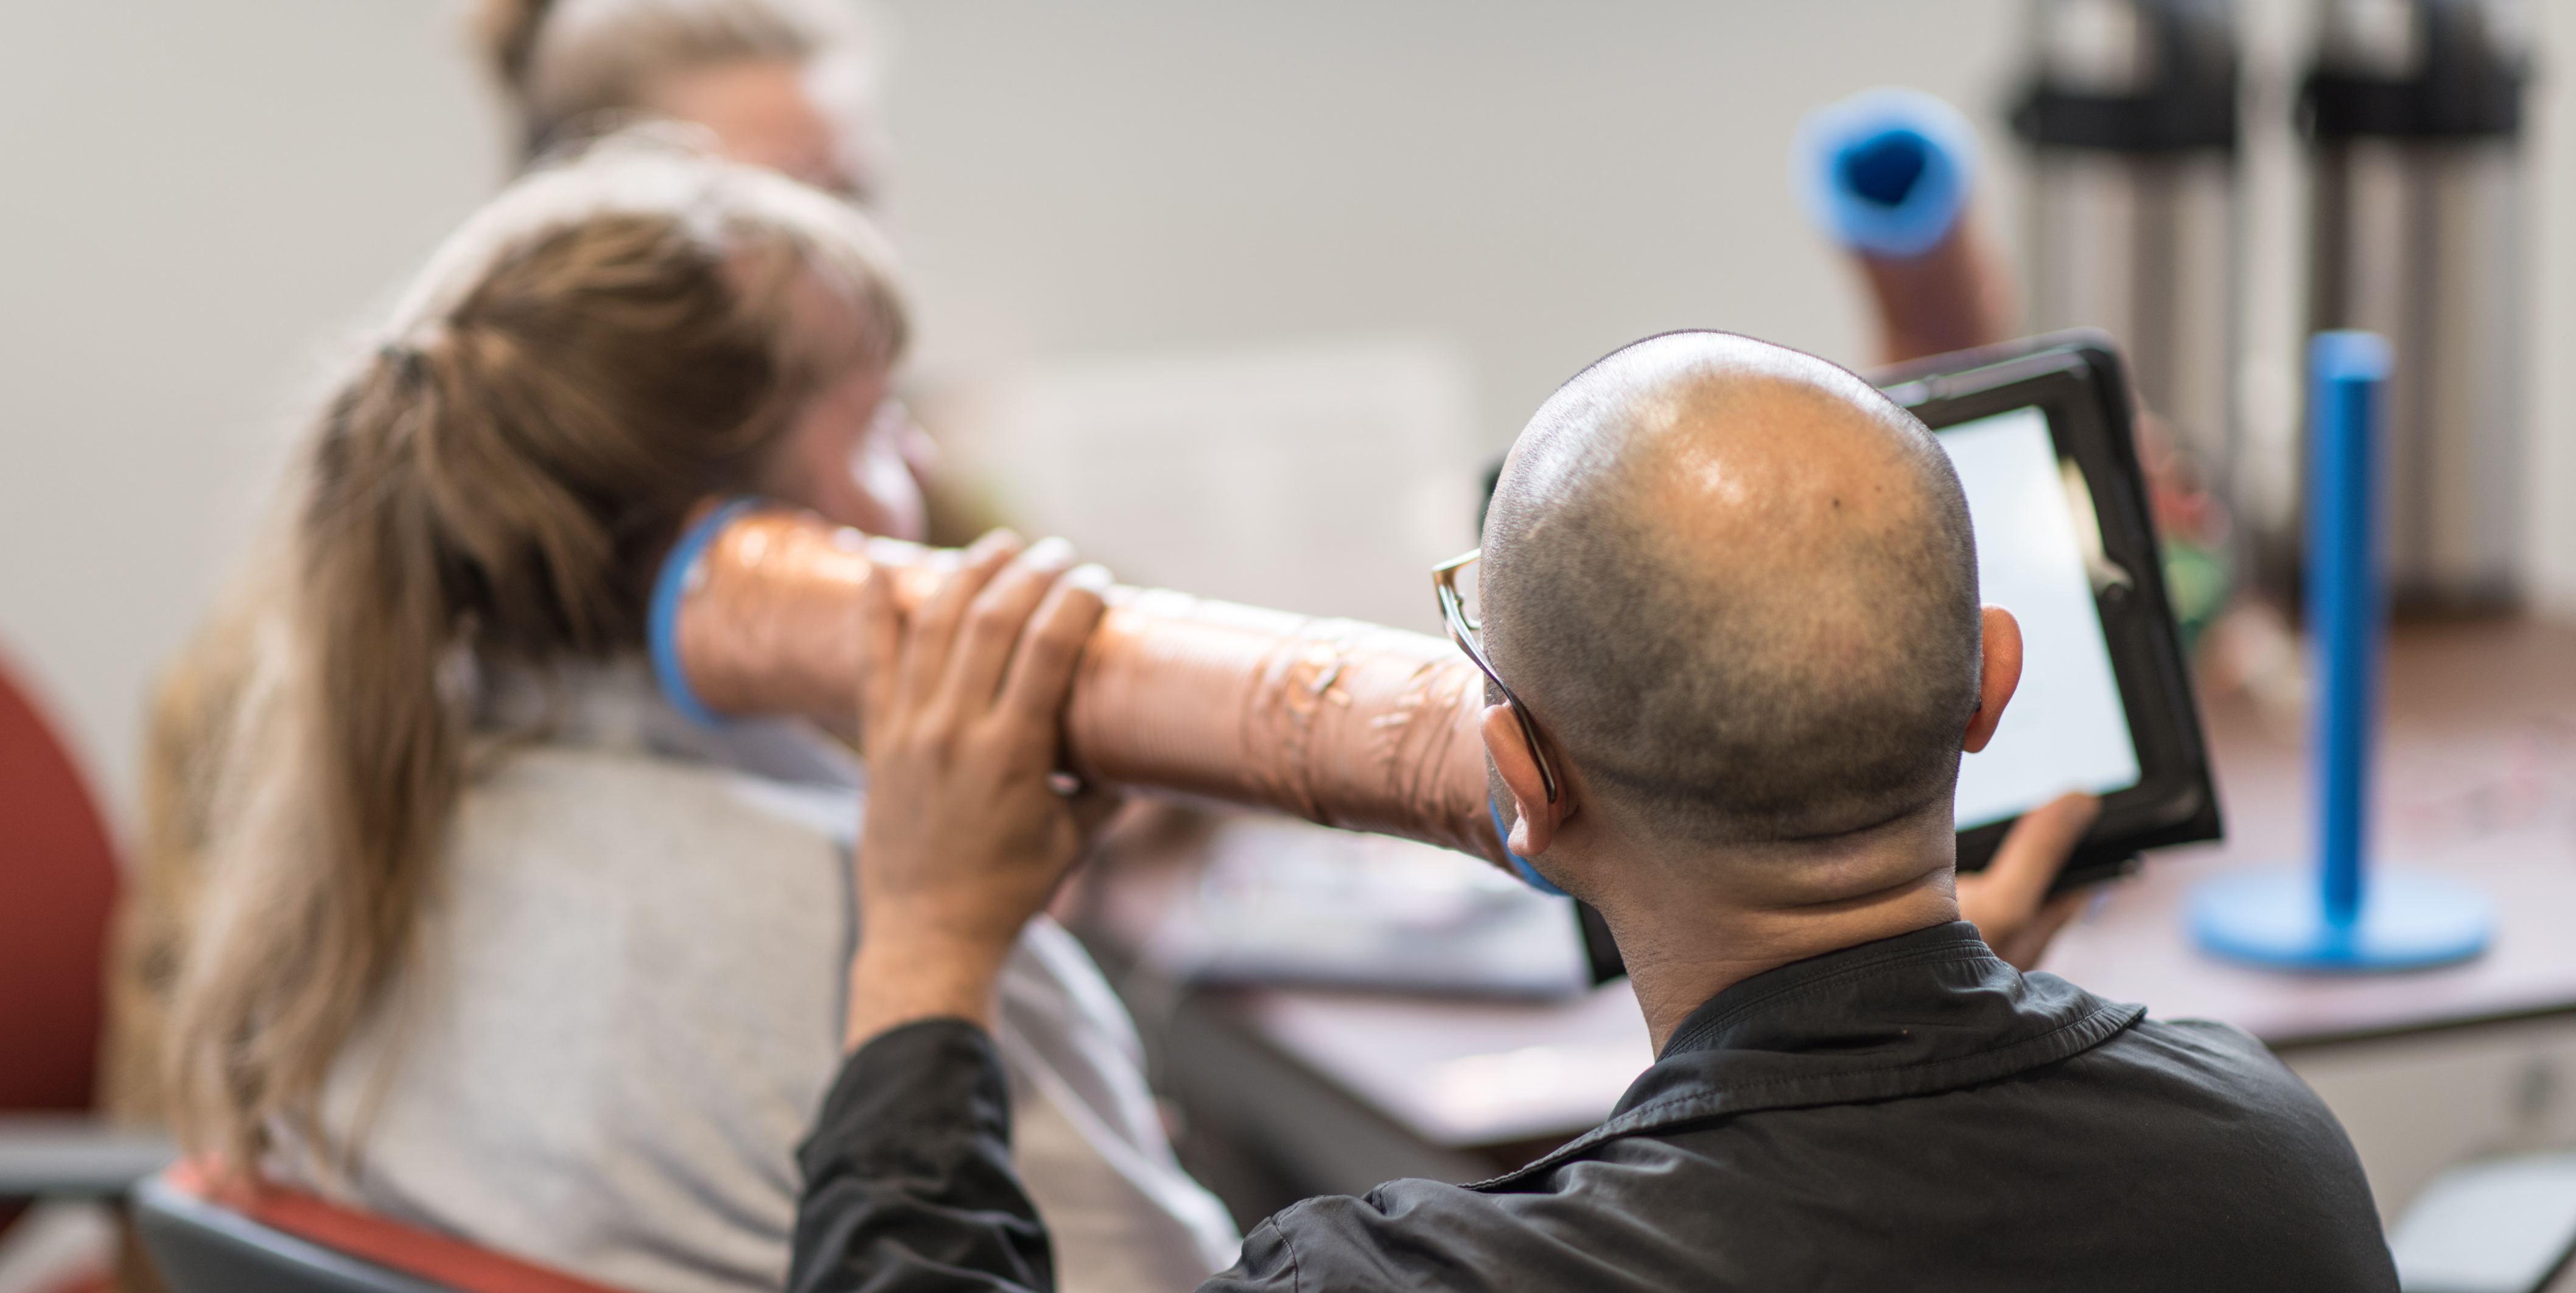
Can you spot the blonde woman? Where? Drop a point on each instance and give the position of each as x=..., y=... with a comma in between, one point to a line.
x=492, y=939
x=784, y=84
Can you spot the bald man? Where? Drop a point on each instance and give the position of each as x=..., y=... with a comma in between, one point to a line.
x=1735, y=590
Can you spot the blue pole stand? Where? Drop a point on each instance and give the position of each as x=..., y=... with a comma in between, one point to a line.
x=2341, y=918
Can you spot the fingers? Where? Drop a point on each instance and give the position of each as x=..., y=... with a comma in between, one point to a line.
x=2034, y=851
x=995, y=622
x=2027, y=946
x=881, y=631
x=2052, y=918
x=934, y=626
x=1092, y=810
x=1042, y=669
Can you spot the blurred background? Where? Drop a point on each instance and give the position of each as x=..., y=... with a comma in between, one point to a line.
x=1248, y=299
x=1440, y=208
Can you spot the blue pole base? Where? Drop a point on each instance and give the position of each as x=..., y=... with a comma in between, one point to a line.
x=2276, y=919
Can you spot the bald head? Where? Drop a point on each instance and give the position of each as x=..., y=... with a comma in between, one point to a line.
x=1737, y=588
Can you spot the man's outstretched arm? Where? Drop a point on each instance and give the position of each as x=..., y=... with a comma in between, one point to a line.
x=908, y=1180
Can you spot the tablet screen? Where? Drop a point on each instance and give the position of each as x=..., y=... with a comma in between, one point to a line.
x=2039, y=555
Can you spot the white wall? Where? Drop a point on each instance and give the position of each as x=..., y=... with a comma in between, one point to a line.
x=199, y=193
x=195, y=195
x=1542, y=182
x=2551, y=527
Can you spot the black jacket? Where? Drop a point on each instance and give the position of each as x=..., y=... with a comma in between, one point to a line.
x=1906, y=1114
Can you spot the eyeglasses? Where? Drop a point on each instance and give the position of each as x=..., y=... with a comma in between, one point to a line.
x=1463, y=630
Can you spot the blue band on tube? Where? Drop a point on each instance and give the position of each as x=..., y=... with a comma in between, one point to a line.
x=1886, y=171
x=1520, y=864
x=662, y=619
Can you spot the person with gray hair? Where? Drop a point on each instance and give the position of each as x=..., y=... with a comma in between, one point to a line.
x=785, y=84
x=1731, y=622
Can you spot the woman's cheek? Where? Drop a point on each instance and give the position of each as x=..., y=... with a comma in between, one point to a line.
x=887, y=480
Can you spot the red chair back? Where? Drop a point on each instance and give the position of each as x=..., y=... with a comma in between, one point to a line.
x=58, y=883
x=443, y=1261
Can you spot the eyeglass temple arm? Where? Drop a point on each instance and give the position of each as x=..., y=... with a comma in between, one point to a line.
x=1455, y=616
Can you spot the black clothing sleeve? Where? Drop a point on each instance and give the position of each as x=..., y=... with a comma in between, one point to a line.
x=908, y=1180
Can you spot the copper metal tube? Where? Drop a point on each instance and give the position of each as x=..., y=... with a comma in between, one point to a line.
x=1959, y=295
x=1335, y=721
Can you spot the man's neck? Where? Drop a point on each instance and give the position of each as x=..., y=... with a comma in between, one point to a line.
x=1685, y=943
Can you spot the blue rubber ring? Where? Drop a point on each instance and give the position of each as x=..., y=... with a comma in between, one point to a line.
x=1528, y=873
x=662, y=619
x=1843, y=159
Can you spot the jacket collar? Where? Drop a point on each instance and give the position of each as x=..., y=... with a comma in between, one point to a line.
x=1923, y=1012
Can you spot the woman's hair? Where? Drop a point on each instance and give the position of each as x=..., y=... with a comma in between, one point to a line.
x=566, y=63
x=608, y=342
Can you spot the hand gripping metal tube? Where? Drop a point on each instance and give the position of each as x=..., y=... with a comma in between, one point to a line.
x=757, y=611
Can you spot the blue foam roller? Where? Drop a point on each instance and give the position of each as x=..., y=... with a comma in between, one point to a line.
x=1886, y=171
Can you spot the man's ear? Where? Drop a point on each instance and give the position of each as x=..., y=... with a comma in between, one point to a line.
x=1997, y=675
x=1539, y=819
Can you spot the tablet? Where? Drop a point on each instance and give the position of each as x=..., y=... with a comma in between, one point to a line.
x=2040, y=432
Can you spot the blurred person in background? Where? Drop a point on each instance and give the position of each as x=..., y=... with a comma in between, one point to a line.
x=785, y=84
x=494, y=941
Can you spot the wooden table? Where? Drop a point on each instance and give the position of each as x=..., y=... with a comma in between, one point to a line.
x=2477, y=778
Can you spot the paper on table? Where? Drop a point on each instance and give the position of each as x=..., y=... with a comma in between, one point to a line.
x=1469, y=1073
x=1288, y=902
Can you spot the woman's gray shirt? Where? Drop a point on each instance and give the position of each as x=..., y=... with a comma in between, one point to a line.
x=627, y=1005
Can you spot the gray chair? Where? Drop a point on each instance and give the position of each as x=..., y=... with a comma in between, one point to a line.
x=204, y=1247
x=212, y=1236
x=75, y=1155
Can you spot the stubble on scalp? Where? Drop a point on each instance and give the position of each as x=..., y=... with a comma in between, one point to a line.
x=1737, y=587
